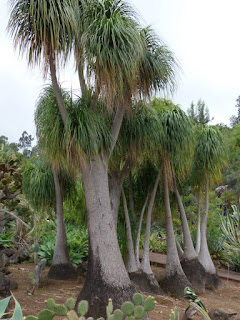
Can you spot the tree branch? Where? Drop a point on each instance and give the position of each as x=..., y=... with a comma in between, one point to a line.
x=16, y=217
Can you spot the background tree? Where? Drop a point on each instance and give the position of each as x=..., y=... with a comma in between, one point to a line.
x=209, y=159
x=199, y=113
x=44, y=188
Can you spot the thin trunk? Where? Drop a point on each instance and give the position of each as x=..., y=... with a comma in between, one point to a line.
x=35, y=254
x=198, y=241
x=82, y=80
x=204, y=255
x=139, y=232
x=61, y=255
x=173, y=263
x=106, y=274
x=117, y=122
x=179, y=250
x=189, y=252
x=131, y=197
x=131, y=262
x=81, y=77
x=146, y=267
x=115, y=186
x=57, y=91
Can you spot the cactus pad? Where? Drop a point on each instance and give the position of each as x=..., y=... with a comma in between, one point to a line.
x=118, y=314
x=139, y=312
x=149, y=304
x=82, y=307
x=46, y=315
x=72, y=315
x=70, y=303
x=50, y=304
x=60, y=310
x=138, y=299
x=128, y=308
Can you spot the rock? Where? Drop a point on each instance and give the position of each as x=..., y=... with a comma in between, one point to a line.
x=8, y=252
x=20, y=256
x=217, y=314
x=219, y=190
x=4, y=286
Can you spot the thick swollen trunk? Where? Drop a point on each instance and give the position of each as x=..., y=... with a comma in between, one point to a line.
x=57, y=91
x=106, y=275
x=189, y=252
x=198, y=241
x=131, y=261
x=61, y=268
x=211, y=279
x=145, y=266
x=115, y=187
x=204, y=255
x=139, y=232
x=175, y=280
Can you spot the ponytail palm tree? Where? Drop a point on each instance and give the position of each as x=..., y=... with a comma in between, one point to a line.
x=111, y=52
x=209, y=159
x=173, y=150
x=43, y=30
x=45, y=188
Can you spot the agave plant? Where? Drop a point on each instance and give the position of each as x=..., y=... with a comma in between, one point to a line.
x=231, y=229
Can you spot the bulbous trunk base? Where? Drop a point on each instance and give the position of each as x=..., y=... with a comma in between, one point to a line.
x=145, y=282
x=97, y=292
x=195, y=273
x=62, y=272
x=175, y=284
x=212, y=281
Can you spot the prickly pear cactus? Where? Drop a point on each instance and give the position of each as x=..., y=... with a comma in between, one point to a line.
x=128, y=311
x=174, y=315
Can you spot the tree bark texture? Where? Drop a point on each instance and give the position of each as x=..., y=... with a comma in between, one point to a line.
x=204, y=255
x=198, y=241
x=131, y=194
x=61, y=268
x=189, y=251
x=61, y=255
x=139, y=232
x=175, y=280
x=131, y=261
x=106, y=275
x=57, y=91
x=145, y=266
x=173, y=263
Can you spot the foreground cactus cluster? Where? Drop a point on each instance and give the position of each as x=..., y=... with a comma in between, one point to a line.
x=128, y=311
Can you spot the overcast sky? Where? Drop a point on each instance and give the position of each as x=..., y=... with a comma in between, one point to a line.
x=203, y=34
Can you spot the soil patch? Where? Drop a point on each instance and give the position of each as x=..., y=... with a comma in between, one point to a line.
x=227, y=298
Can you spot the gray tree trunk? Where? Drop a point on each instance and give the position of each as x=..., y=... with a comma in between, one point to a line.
x=145, y=266
x=106, y=275
x=204, y=255
x=198, y=241
x=173, y=263
x=115, y=186
x=61, y=255
x=57, y=91
x=131, y=197
x=131, y=261
x=179, y=250
x=139, y=232
x=189, y=251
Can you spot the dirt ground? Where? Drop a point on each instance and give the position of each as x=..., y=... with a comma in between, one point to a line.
x=227, y=298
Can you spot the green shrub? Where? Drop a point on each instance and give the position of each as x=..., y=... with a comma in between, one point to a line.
x=77, y=240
